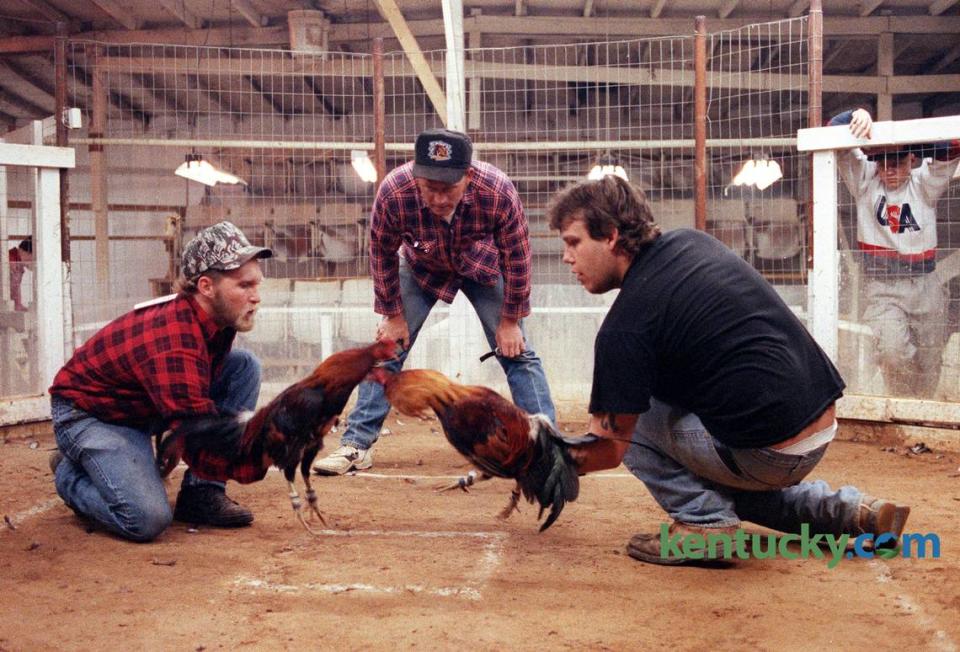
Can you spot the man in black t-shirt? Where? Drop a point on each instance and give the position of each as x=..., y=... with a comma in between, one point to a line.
x=728, y=400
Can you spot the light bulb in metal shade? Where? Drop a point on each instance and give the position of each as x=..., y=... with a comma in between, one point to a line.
x=196, y=169
x=766, y=173
x=761, y=174
x=600, y=170
x=362, y=164
x=745, y=175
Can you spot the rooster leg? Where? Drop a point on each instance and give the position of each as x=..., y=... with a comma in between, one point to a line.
x=312, y=501
x=298, y=507
x=308, y=456
x=511, y=504
x=463, y=482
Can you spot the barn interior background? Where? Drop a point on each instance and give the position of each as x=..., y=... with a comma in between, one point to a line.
x=293, y=100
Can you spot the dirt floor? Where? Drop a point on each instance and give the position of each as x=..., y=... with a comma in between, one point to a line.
x=407, y=567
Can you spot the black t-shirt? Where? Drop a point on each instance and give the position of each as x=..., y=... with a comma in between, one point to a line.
x=695, y=326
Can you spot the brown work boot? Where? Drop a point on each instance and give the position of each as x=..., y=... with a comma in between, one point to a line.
x=877, y=516
x=649, y=547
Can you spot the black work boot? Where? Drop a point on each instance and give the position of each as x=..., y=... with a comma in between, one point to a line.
x=208, y=505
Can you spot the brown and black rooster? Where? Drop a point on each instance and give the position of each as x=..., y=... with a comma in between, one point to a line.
x=286, y=432
x=497, y=436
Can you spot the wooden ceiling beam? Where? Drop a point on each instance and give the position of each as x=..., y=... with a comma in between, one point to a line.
x=934, y=102
x=952, y=55
x=35, y=110
x=119, y=100
x=48, y=11
x=267, y=98
x=867, y=7
x=246, y=9
x=17, y=71
x=528, y=26
x=540, y=72
x=797, y=8
x=939, y=6
x=213, y=95
x=148, y=84
x=9, y=119
x=179, y=9
x=832, y=55
x=391, y=13
x=727, y=8
x=120, y=14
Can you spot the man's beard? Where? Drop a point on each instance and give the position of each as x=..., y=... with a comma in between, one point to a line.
x=226, y=318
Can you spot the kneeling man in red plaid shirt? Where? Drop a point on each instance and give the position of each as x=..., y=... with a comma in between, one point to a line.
x=148, y=369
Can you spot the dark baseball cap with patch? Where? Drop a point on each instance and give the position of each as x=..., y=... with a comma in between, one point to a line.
x=442, y=155
x=221, y=247
x=887, y=152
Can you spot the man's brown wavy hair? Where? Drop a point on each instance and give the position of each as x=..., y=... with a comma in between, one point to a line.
x=604, y=205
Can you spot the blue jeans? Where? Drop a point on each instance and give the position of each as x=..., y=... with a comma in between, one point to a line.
x=525, y=375
x=683, y=467
x=109, y=472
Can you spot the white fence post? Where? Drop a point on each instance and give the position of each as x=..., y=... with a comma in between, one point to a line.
x=49, y=271
x=823, y=286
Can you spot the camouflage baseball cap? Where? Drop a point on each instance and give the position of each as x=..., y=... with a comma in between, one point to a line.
x=222, y=247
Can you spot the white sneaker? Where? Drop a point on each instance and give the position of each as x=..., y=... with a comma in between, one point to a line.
x=343, y=460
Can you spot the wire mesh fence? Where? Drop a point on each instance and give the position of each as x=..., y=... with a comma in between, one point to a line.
x=19, y=373
x=900, y=293
x=289, y=125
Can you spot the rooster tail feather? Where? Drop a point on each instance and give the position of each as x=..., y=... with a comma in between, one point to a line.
x=552, y=478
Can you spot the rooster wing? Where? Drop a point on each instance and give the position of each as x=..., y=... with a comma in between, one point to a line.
x=489, y=431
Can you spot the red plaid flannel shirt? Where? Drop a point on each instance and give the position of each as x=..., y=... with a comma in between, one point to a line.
x=154, y=366
x=488, y=237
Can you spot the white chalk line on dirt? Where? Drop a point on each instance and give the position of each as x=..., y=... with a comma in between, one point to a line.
x=407, y=476
x=467, y=593
x=941, y=639
x=20, y=517
x=471, y=590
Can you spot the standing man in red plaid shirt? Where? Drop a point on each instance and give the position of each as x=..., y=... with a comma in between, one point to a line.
x=148, y=369
x=441, y=224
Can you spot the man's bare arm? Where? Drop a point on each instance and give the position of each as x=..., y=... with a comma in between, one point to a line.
x=615, y=432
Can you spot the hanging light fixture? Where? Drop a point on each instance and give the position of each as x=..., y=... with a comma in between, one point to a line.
x=606, y=165
x=761, y=173
x=363, y=166
x=195, y=168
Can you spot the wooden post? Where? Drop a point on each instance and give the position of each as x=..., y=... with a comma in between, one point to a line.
x=814, y=103
x=63, y=134
x=98, y=176
x=700, y=122
x=379, y=112
x=885, y=72
x=474, y=82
